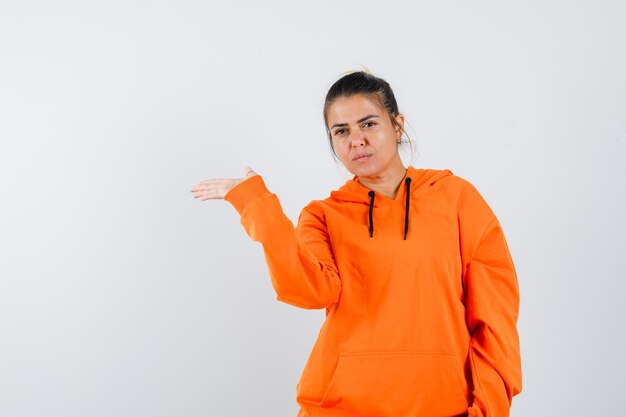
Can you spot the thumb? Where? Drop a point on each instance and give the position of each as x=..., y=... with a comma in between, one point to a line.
x=250, y=172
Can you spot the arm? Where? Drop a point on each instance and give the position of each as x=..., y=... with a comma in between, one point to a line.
x=492, y=307
x=492, y=304
x=300, y=260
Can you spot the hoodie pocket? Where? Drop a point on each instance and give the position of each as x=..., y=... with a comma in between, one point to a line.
x=386, y=384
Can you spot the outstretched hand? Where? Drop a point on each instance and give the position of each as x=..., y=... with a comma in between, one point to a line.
x=217, y=188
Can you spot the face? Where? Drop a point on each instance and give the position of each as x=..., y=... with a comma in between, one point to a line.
x=363, y=137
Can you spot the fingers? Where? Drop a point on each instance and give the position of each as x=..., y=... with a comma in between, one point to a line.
x=250, y=172
x=217, y=188
x=212, y=181
x=204, y=194
x=212, y=189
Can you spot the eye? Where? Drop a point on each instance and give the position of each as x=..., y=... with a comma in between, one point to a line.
x=368, y=123
x=338, y=131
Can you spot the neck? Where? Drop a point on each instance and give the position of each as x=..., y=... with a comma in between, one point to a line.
x=386, y=184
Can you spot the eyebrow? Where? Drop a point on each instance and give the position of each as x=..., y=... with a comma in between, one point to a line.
x=358, y=121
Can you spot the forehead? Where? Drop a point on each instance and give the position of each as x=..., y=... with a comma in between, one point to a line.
x=346, y=109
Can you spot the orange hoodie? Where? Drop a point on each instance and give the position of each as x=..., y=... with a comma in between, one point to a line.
x=420, y=292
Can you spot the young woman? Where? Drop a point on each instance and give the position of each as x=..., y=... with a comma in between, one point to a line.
x=411, y=265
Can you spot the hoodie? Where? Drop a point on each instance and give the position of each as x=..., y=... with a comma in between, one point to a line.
x=420, y=292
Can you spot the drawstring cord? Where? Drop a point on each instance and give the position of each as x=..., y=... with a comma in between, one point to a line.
x=407, y=182
x=372, y=194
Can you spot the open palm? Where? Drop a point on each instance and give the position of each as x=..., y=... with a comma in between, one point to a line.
x=217, y=188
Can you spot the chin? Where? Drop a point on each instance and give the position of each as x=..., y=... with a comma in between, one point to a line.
x=364, y=171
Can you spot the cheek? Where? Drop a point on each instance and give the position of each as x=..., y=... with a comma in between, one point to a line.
x=341, y=149
x=391, y=144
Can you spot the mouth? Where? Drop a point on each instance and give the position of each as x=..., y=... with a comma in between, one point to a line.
x=361, y=158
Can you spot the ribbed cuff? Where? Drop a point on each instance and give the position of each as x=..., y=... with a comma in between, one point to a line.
x=245, y=192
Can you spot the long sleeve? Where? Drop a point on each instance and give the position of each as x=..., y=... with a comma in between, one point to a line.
x=299, y=259
x=492, y=302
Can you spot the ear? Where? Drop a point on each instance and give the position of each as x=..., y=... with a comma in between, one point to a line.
x=400, y=121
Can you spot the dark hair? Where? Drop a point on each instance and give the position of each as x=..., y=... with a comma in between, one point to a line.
x=363, y=83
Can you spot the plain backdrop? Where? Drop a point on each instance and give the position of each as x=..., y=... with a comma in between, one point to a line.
x=121, y=295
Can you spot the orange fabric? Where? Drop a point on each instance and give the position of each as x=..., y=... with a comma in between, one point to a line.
x=421, y=327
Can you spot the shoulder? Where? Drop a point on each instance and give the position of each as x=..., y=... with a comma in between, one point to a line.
x=449, y=178
x=349, y=193
x=443, y=180
x=465, y=188
x=313, y=212
x=461, y=192
x=471, y=204
x=315, y=206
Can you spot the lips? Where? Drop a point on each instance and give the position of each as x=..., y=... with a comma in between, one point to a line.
x=361, y=157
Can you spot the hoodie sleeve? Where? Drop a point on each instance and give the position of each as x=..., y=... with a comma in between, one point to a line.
x=492, y=302
x=299, y=259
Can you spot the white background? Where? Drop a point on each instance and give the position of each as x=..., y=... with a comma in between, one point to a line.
x=121, y=295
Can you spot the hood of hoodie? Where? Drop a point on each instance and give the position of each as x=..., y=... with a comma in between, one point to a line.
x=353, y=191
x=413, y=184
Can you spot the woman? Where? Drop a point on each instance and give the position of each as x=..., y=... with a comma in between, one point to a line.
x=411, y=265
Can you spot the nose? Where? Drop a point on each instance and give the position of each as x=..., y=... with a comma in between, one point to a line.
x=356, y=138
